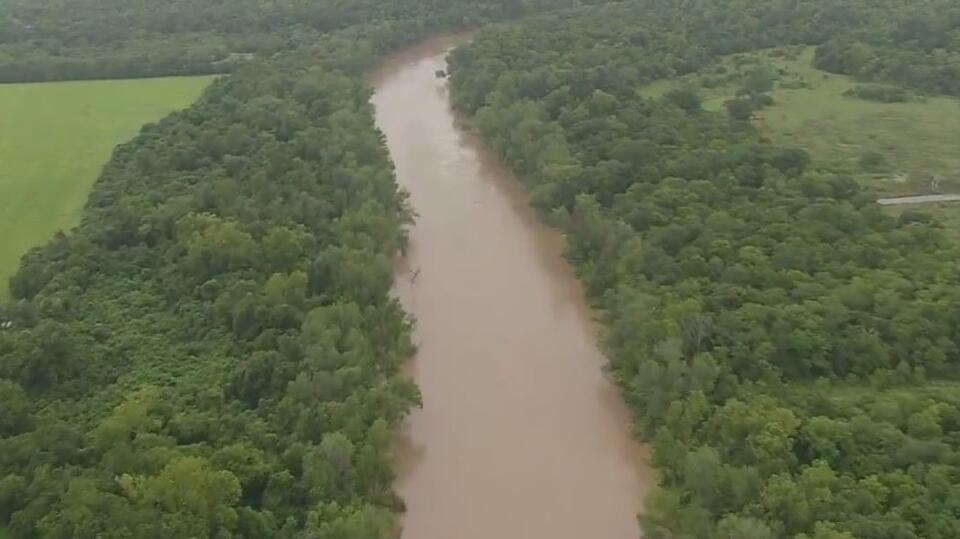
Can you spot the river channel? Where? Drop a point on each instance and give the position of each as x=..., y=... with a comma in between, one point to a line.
x=521, y=436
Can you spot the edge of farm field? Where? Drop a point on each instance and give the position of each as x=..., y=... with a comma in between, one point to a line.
x=54, y=139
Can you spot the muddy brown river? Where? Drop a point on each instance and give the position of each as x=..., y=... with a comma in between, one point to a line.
x=520, y=436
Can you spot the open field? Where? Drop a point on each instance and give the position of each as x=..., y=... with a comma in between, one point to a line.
x=54, y=139
x=917, y=138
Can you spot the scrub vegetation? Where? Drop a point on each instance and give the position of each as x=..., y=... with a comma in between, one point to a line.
x=888, y=137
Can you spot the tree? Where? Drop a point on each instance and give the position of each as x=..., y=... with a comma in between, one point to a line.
x=758, y=433
x=736, y=527
x=191, y=498
x=17, y=416
x=13, y=489
x=366, y=522
x=826, y=531
x=759, y=81
x=328, y=469
x=215, y=246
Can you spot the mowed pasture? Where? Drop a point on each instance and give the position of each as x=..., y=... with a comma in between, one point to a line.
x=54, y=140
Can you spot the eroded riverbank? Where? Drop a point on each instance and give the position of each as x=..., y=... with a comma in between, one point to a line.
x=521, y=436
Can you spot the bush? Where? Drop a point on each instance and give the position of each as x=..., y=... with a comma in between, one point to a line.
x=872, y=161
x=685, y=98
x=795, y=84
x=740, y=108
x=880, y=93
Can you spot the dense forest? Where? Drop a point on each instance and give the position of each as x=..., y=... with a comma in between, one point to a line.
x=213, y=352
x=94, y=39
x=790, y=348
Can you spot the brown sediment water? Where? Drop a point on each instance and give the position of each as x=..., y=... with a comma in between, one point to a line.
x=521, y=436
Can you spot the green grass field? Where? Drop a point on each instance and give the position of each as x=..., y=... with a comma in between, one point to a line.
x=919, y=138
x=54, y=140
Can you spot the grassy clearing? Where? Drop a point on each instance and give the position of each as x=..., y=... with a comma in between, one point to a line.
x=917, y=139
x=54, y=139
x=947, y=213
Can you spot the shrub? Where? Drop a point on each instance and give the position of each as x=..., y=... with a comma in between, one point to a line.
x=880, y=93
x=872, y=161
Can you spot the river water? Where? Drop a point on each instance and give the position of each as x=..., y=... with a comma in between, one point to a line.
x=520, y=435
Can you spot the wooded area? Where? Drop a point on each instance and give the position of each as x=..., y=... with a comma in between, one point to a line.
x=789, y=348
x=94, y=39
x=213, y=352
